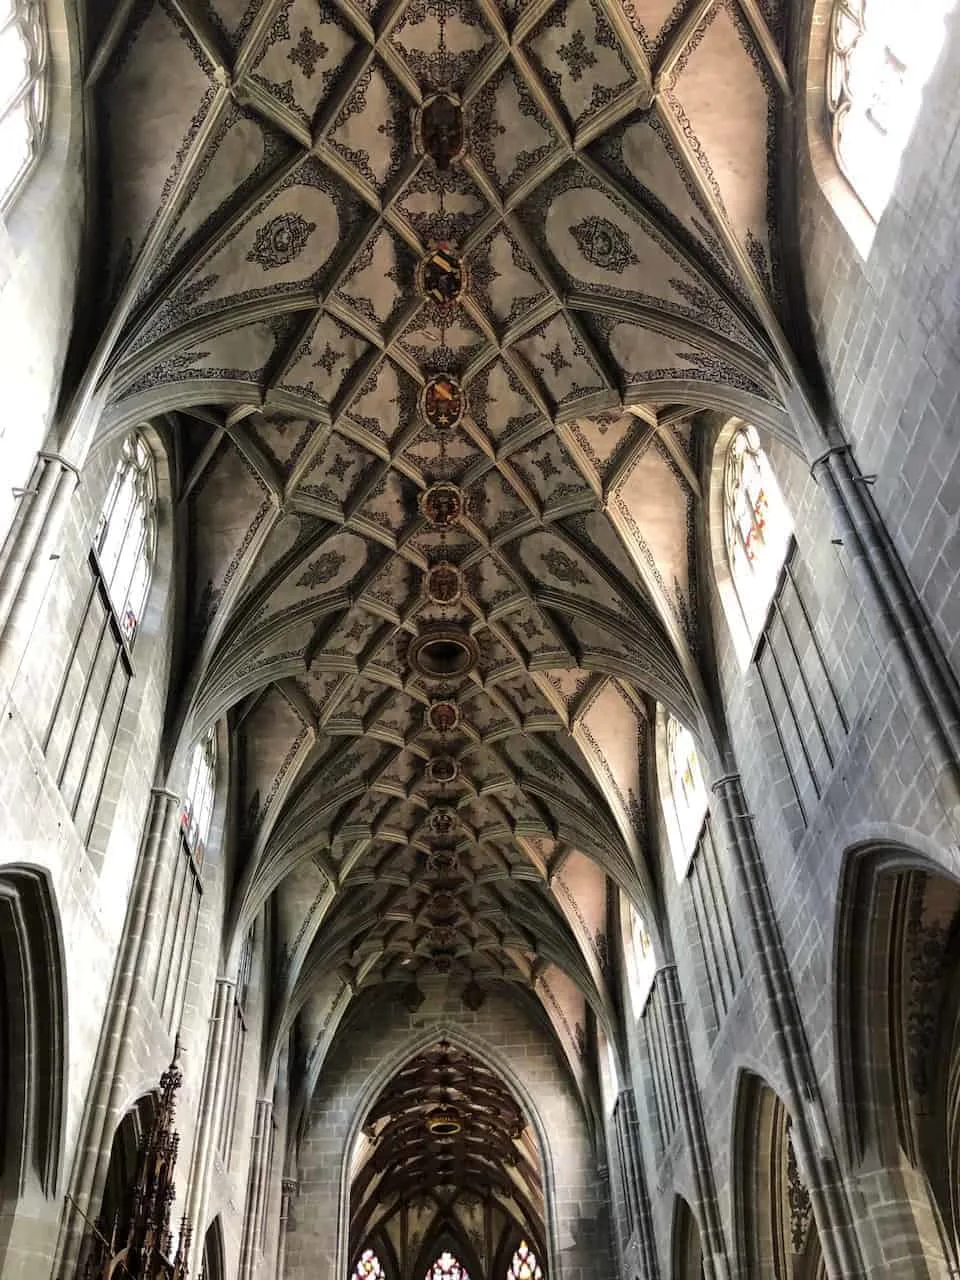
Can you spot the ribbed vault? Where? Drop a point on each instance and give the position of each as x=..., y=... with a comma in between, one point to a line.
x=446, y=1159
x=268, y=215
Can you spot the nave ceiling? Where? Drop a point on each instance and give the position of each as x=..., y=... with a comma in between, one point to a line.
x=609, y=272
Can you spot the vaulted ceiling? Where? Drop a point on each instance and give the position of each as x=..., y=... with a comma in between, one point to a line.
x=267, y=197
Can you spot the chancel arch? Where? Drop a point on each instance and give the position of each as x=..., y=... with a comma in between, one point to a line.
x=686, y=1254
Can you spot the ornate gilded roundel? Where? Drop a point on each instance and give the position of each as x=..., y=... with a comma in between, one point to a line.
x=442, y=276
x=439, y=129
x=442, y=652
x=442, y=769
x=442, y=403
x=442, y=716
x=443, y=1122
x=443, y=583
x=442, y=504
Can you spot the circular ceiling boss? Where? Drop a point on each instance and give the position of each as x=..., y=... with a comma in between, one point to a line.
x=442, y=276
x=442, y=504
x=442, y=403
x=443, y=583
x=442, y=652
x=442, y=716
x=438, y=129
x=442, y=769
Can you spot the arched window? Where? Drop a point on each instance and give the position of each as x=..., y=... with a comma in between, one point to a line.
x=642, y=963
x=198, y=801
x=23, y=56
x=447, y=1267
x=524, y=1265
x=368, y=1267
x=688, y=795
x=881, y=55
x=89, y=703
x=756, y=525
x=126, y=533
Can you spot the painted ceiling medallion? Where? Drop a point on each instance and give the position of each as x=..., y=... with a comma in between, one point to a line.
x=442, y=276
x=442, y=504
x=442, y=716
x=442, y=403
x=439, y=129
x=443, y=862
x=443, y=583
x=442, y=769
x=443, y=651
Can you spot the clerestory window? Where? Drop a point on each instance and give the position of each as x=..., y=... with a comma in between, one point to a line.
x=881, y=55
x=197, y=809
x=23, y=92
x=688, y=794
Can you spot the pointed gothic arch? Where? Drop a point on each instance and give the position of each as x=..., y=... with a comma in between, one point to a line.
x=776, y=1230
x=898, y=938
x=33, y=1039
x=213, y=1264
x=686, y=1251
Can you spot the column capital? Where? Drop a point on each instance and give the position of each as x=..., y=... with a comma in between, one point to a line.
x=49, y=456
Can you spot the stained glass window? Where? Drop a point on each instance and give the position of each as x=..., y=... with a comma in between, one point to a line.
x=642, y=966
x=524, y=1265
x=447, y=1267
x=198, y=802
x=881, y=55
x=125, y=540
x=756, y=524
x=23, y=55
x=688, y=794
x=368, y=1267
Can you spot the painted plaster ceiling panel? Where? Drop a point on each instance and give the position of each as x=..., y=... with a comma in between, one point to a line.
x=302, y=57
x=384, y=403
x=595, y=241
x=614, y=735
x=228, y=507
x=649, y=358
x=733, y=145
x=580, y=59
x=642, y=156
x=656, y=509
x=581, y=888
x=509, y=132
x=271, y=738
x=287, y=532
x=601, y=438
x=299, y=902
x=322, y=362
x=561, y=566
x=566, y=1008
x=156, y=92
x=282, y=437
x=549, y=473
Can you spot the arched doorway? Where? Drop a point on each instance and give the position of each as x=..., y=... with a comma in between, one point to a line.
x=213, y=1265
x=446, y=1180
x=898, y=1047
x=777, y=1232
x=33, y=1046
x=687, y=1250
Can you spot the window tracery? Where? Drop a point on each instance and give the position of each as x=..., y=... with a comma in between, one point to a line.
x=368, y=1267
x=23, y=58
x=197, y=810
x=756, y=524
x=125, y=540
x=881, y=54
x=642, y=967
x=524, y=1265
x=447, y=1267
x=688, y=793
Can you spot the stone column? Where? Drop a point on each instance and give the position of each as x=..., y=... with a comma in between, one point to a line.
x=635, y=1183
x=288, y=1189
x=105, y=1094
x=26, y=558
x=211, y=1104
x=258, y=1188
x=897, y=617
x=715, y=1263
x=812, y=1139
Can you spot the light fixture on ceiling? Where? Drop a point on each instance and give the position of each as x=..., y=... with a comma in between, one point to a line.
x=444, y=1122
x=442, y=652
